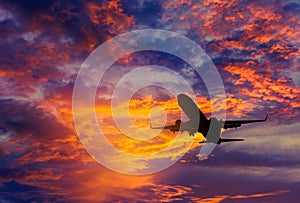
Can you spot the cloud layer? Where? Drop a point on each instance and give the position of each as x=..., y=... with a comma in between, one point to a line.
x=255, y=46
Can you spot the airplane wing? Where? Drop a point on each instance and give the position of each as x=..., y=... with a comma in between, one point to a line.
x=238, y=123
x=191, y=109
x=164, y=127
x=225, y=140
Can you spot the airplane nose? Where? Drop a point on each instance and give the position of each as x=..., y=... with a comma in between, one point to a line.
x=181, y=97
x=185, y=100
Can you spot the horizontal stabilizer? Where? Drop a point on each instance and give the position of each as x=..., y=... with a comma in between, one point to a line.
x=165, y=127
x=229, y=140
x=225, y=140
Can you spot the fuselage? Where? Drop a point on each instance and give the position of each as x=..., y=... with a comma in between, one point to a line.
x=201, y=127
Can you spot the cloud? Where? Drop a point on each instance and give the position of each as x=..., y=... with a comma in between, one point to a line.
x=5, y=15
x=4, y=135
x=256, y=61
x=217, y=199
x=261, y=139
x=255, y=46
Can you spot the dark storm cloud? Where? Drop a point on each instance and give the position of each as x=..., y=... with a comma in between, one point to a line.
x=26, y=119
x=52, y=17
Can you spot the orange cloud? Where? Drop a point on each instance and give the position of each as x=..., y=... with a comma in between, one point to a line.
x=221, y=198
x=263, y=87
x=265, y=24
x=94, y=184
x=111, y=14
x=259, y=194
x=65, y=155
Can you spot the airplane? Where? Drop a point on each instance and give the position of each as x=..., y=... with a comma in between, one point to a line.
x=210, y=129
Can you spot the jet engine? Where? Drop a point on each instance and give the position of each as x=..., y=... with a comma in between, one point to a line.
x=178, y=122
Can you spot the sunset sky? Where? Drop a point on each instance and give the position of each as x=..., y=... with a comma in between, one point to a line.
x=255, y=48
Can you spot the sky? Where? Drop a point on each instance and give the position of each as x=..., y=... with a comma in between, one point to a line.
x=254, y=45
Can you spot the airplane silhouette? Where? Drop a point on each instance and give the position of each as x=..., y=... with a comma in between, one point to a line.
x=210, y=129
